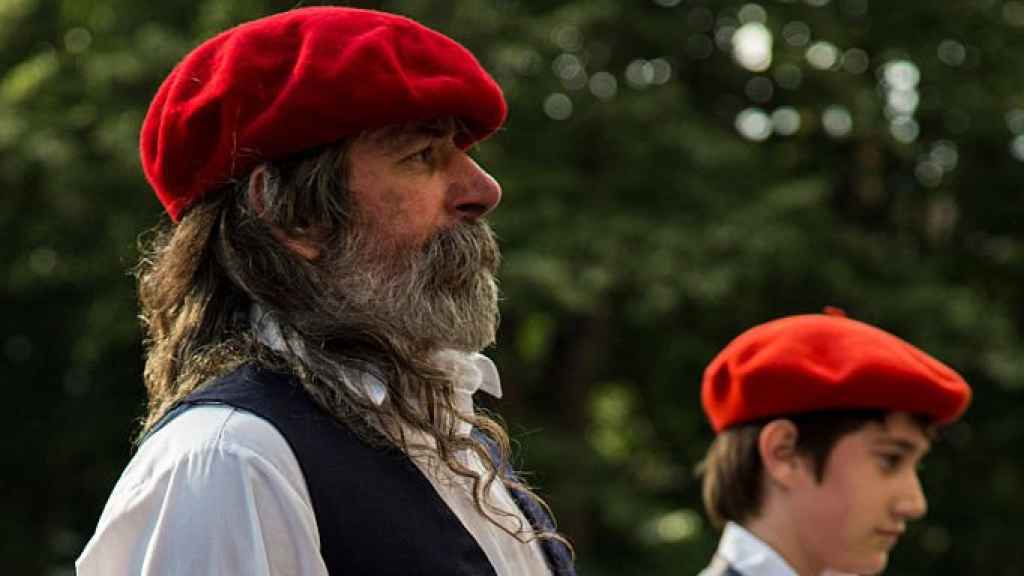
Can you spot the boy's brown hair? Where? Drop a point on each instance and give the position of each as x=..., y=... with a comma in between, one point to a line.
x=732, y=470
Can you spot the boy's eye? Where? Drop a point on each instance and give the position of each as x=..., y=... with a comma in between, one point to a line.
x=890, y=461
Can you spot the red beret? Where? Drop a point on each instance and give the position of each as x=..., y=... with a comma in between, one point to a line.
x=826, y=362
x=277, y=86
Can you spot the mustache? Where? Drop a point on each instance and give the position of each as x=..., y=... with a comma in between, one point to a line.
x=457, y=254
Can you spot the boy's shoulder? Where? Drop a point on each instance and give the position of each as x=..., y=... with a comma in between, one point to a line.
x=719, y=567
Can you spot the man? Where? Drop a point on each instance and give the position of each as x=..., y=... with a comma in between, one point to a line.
x=821, y=423
x=315, y=315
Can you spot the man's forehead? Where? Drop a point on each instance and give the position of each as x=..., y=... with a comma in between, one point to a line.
x=397, y=136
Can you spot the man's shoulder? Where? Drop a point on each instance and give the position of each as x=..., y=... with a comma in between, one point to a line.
x=221, y=438
x=201, y=427
x=205, y=488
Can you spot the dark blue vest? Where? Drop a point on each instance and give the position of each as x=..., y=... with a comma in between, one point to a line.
x=375, y=511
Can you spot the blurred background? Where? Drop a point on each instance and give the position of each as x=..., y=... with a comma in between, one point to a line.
x=675, y=171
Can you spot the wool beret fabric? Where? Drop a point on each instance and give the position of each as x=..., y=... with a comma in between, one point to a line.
x=275, y=87
x=820, y=362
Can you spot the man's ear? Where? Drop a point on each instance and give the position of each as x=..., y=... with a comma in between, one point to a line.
x=304, y=245
x=777, y=446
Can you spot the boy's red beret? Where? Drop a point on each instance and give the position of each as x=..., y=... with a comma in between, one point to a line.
x=277, y=86
x=826, y=362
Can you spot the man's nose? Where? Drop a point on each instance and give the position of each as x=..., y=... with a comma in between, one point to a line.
x=472, y=192
x=912, y=503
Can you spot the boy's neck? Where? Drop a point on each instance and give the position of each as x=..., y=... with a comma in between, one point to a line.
x=776, y=530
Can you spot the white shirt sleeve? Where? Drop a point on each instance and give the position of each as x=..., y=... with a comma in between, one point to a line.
x=216, y=491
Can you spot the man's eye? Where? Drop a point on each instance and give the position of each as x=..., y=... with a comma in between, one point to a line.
x=426, y=155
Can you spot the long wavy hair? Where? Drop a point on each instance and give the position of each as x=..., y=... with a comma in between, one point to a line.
x=199, y=279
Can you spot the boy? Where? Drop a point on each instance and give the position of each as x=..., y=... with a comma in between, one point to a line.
x=821, y=422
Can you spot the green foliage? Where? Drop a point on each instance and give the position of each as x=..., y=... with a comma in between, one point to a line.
x=659, y=199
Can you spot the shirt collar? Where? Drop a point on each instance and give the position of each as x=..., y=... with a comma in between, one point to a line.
x=471, y=371
x=749, y=555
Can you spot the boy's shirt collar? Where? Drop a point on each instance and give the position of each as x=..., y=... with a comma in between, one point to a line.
x=750, y=556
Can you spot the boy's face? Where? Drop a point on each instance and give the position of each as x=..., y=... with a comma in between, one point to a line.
x=853, y=516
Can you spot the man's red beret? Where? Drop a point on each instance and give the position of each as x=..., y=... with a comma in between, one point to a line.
x=277, y=86
x=826, y=362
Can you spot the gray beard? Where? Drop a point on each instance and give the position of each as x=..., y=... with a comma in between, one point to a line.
x=444, y=295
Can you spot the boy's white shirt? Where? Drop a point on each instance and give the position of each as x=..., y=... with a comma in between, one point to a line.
x=219, y=491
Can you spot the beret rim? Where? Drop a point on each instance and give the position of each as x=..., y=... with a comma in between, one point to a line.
x=814, y=362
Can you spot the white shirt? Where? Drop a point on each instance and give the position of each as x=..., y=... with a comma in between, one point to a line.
x=750, y=556
x=218, y=491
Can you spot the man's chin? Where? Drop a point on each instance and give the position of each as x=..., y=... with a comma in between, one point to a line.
x=445, y=298
x=468, y=338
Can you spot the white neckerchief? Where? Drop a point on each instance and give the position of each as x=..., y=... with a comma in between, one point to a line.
x=750, y=556
x=471, y=371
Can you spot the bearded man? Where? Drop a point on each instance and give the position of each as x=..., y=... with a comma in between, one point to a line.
x=315, y=314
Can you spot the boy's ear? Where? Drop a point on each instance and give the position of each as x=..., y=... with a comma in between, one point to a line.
x=303, y=245
x=777, y=446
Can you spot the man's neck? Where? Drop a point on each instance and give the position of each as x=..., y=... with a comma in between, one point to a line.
x=469, y=371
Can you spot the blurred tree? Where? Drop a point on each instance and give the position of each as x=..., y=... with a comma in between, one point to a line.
x=674, y=172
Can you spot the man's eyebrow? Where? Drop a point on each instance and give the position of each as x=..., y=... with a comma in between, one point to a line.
x=397, y=138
